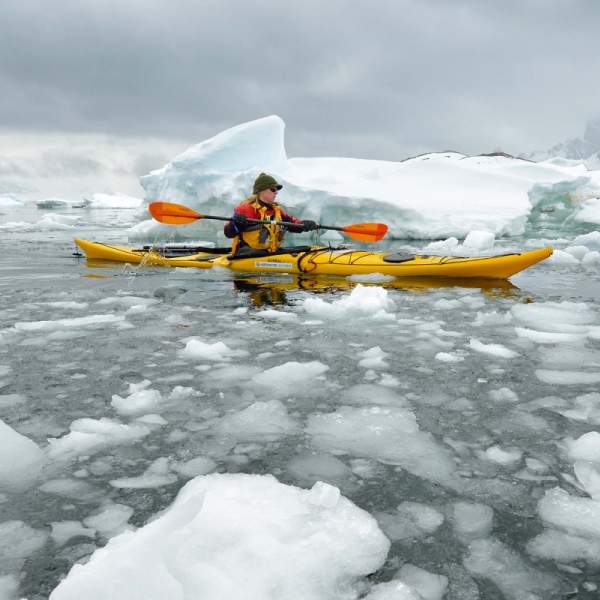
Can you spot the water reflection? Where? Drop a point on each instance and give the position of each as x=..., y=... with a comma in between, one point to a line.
x=271, y=290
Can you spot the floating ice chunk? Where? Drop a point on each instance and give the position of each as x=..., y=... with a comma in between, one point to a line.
x=180, y=393
x=156, y=475
x=502, y=457
x=21, y=462
x=444, y=304
x=472, y=520
x=504, y=395
x=5, y=370
x=385, y=433
x=585, y=447
x=74, y=489
x=111, y=520
x=588, y=475
x=288, y=376
x=89, y=322
x=449, y=357
x=91, y=435
x=363, y=301
x=429, y=585
x=554, y=316
x=208, y=542
x=127, y=301
x=310, y=468
x=69, y=305
x=196, y=349
x=63, y=531
x=560, y=546
x=567, y=377
x=18, y=541
x=491, y=559
x=371, y=278
x=373, y=358
x=561, y=258
x=584, y=408
x=573, y=514
x=411, y=520
x=140, y=402
x=201, y=465
x=392, y=590
x=277, y=315
x=493, y=349
x=491, y=319
x=260, y=422
x=545, y=337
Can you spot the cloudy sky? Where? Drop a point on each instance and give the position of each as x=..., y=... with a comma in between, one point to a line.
x=131, y=82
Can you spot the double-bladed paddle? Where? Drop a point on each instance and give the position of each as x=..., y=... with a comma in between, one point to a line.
x=177, y=214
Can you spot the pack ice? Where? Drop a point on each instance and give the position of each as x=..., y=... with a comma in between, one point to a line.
x=432, y=196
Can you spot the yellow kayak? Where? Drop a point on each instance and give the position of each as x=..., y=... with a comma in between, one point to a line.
x=306, y=260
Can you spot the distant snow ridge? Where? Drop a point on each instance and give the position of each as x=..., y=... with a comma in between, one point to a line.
x=238, y=536
x=433, y=196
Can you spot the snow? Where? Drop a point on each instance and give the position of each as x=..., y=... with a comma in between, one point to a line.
x=585, y=447
x=234, y=536
x=22, y=459
x=432, y=196
x=362, y=302
x=8, y=201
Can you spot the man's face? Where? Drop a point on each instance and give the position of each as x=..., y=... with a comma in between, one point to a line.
x=268, y=196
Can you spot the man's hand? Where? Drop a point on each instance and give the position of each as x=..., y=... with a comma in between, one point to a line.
x=309, y=225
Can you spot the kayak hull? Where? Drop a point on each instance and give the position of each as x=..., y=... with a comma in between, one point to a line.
x=332, y=262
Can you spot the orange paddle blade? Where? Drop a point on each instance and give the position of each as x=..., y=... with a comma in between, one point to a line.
x=366, y=232
x=173, y=214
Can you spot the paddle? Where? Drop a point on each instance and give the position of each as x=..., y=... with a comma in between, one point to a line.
x=177, y=214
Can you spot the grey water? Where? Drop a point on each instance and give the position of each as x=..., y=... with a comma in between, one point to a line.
x=73, y=373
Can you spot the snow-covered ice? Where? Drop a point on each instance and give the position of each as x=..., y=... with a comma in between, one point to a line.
x=238, y=536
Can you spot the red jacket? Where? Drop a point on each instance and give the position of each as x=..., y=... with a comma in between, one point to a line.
x=246, y=209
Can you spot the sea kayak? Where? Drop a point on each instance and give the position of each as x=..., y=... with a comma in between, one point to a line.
x=307, y=260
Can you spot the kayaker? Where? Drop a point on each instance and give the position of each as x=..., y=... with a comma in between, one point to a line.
x=262, y=205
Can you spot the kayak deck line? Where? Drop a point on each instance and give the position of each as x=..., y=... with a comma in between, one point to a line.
x=322, y=261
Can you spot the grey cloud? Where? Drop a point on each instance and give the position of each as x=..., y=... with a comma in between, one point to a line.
x=379, y=80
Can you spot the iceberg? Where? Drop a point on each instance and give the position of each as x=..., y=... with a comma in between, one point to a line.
x=433, y=196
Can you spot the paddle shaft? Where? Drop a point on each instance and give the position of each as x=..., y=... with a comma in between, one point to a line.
x=260, y=222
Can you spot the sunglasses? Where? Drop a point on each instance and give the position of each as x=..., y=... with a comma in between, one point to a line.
x=274, y=190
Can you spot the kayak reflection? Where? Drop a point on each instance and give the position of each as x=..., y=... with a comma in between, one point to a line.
x=264, y=290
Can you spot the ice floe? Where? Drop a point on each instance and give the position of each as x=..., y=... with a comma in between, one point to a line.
x=211, y=540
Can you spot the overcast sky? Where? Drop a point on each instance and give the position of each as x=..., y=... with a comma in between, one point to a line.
x=378, y=79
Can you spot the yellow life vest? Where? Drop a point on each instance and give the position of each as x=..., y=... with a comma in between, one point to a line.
x=262, y=237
